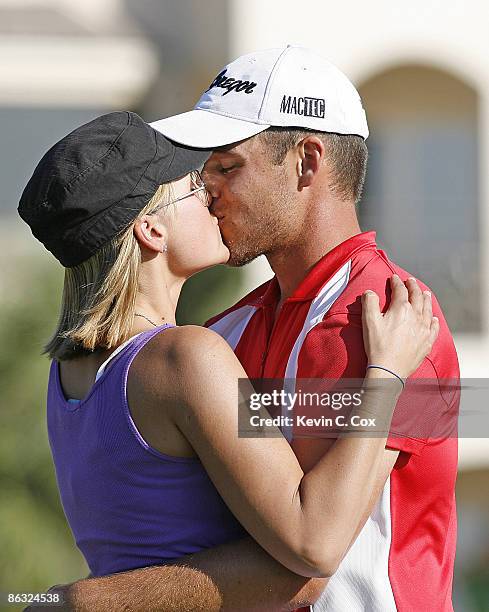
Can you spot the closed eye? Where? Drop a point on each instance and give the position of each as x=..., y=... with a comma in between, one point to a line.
x=227, y=169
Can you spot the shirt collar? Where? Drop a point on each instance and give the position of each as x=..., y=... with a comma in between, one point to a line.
x=322, y=271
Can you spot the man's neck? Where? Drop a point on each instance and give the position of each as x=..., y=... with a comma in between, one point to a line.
x=292, y=264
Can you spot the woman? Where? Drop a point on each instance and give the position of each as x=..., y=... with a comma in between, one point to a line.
x=142, y=414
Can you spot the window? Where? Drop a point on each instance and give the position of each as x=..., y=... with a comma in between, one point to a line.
x=421, y=193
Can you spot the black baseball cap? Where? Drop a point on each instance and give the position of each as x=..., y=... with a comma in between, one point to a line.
x=93, y=183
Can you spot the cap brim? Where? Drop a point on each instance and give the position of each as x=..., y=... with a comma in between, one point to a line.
x=185, y=160
x=205, y=129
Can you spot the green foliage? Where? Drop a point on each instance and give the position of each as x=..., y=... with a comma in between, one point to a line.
x=37, y=546
x=207, y=294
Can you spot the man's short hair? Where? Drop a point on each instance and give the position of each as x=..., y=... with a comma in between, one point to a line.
x=346, y=153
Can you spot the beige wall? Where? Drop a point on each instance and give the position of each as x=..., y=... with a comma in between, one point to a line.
x=416, y=90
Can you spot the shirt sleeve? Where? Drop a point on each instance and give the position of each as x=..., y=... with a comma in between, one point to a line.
x=334, y=349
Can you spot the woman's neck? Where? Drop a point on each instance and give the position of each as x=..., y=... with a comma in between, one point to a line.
x=157, y=298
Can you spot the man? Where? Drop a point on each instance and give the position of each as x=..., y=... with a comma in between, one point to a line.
x=288, y=130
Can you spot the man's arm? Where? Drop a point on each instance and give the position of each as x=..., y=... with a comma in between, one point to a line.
x=235, y=577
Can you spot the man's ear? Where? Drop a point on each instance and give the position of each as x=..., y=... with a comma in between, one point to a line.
x=311, y=153
x=151, y=233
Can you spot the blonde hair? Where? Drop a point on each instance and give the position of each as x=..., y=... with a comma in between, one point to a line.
x=99, y=295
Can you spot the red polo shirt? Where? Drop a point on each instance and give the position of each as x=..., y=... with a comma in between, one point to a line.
x=403, y=558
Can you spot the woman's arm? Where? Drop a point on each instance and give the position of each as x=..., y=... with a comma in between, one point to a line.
x=305, y=521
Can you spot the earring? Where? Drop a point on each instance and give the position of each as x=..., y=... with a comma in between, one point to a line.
x=164, y=248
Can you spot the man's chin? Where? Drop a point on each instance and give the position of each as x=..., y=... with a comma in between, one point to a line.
x=239, y=254
x=240, y=260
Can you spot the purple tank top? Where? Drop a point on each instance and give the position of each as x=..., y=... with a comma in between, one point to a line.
x=127, y=504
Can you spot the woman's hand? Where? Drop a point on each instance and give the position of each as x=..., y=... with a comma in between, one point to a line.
x=402, y=337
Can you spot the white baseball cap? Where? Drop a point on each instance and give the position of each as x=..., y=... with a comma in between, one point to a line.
x=291, y=86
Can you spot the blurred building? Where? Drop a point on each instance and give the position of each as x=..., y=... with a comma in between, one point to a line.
x=62, y=64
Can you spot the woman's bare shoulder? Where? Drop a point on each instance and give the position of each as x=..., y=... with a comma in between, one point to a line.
x=186, y=340
x=185, y=353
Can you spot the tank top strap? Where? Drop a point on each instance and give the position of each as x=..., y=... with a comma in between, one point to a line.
x=135, y=343
x=128, y=351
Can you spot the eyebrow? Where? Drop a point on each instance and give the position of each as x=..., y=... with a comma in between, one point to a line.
x=225, y=149
x=229, y=153
x=228, y=147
